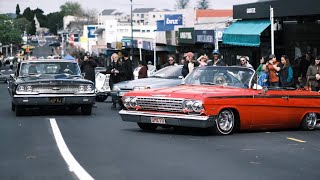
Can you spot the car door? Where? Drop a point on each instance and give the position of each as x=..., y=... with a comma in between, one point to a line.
x=269, y=109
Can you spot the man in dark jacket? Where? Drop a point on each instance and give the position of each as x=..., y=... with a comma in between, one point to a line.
x=127, y=67
x=189, y=65
x=216, y=61
x=87, y=66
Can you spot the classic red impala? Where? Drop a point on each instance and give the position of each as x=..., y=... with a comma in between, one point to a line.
x=223, y=99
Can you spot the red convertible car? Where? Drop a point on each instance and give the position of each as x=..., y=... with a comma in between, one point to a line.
x=222, y=99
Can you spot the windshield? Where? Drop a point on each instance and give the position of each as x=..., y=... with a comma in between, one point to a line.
x=39, y=68
x=169, y=72
x=225, y=76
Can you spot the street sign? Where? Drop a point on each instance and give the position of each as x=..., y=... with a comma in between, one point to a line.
x=126, y=40
x=140, y=44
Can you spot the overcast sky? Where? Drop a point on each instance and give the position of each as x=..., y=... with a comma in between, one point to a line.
x=48, y=6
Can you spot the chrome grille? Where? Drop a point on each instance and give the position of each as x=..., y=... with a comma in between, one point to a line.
x=55, y=89
x=160, y=104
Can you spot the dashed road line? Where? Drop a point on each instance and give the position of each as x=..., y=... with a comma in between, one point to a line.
x=73, y=164
x=296, y=140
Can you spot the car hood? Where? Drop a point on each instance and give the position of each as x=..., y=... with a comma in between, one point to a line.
x=150, y=82
x=190, y=92
x=50, y=78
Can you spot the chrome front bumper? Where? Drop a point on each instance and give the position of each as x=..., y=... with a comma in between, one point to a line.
x=170, y=119
x=44, y=99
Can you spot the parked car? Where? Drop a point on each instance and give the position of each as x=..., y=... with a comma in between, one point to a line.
x=50, y=83
x=151, y=70
x=102, y=86
x=4, y=75
x=223, y=100
x=166, y=77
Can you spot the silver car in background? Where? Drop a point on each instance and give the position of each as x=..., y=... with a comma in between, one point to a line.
x=165, y=77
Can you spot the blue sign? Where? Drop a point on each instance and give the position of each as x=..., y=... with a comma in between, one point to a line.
x=161, y=26
x=91, y=30
x=174, y=19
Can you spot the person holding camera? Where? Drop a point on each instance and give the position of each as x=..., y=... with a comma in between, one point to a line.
x=87, y=66
x=116, y=75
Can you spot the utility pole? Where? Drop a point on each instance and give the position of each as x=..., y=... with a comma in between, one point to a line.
x=131, y=33
x=272, y=29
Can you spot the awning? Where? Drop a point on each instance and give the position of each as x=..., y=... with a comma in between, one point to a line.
x=245, y=32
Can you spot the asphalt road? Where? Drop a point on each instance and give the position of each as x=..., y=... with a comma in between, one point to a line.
x=108, y=148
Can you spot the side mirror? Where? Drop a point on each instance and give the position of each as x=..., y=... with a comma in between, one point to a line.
x=180, y=77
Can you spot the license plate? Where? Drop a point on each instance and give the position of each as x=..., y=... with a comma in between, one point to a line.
x=158, y=120
x=56, y=100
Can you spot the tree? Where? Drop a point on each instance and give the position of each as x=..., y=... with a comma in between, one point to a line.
x=182, y=4
x=54, y=20
x=22, y=24
x=71, y=8
x=18, y=10
x=203, y=4
x=28, y=14
x=9, y=34
x=41, y=17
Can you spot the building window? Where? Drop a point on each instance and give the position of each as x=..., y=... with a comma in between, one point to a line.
x=142, y=15
x=143, y=31
x=138, y=15
x=154, y=16
x=136, y=30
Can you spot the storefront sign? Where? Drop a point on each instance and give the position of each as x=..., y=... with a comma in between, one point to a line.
x=91, y=30
x=251, y=10
x=219, y=33
x=186, y=36
x=161, y=26
x=205, y=36
x=173, y=19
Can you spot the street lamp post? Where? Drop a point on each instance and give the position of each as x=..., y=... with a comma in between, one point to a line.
x=131, y=33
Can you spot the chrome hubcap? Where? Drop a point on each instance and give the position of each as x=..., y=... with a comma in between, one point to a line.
x=311, y=120
x=226, y=120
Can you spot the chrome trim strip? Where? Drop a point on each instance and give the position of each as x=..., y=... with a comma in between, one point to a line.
x=54, y=95
x=154, y=114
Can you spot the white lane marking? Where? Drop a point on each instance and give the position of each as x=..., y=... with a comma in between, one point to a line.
x=73, y=164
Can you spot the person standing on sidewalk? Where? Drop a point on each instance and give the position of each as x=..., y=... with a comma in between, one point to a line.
x=189, y=65
x=273, y=68
x=116, y=75
x=127, y=67
x=87, y=66
x=313, y=75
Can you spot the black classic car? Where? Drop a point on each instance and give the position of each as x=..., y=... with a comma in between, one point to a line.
x=49, y=83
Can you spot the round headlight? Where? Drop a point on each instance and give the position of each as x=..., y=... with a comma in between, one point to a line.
x=81, y=88
x=89, y=87
x=188, y=105
x=126, y=102
x=29, y=88
x=133, y=102
x=21, y=88
x=197, y=106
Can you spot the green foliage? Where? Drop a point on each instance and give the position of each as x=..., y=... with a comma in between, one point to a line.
x=54, y=20
x=182, y=4
x=71, y=8
x=8, y=33
x=203, y=4
x=22, y=24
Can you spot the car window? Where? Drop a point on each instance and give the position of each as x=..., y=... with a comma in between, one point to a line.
x=225, y=76
x=168, y=72
x=37, y=68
